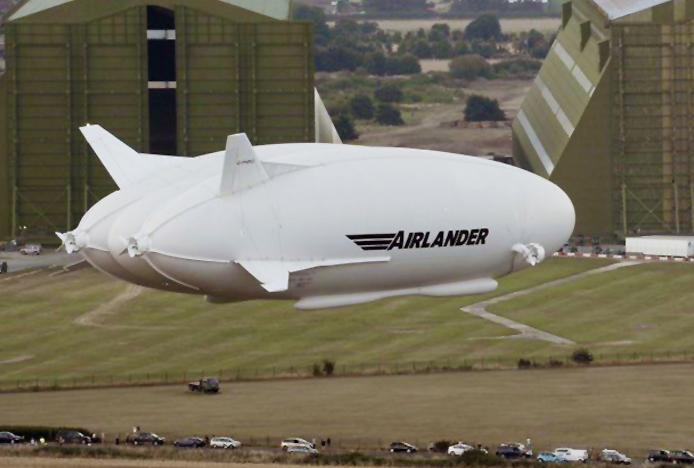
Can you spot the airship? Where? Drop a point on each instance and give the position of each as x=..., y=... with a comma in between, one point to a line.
x=324, y=225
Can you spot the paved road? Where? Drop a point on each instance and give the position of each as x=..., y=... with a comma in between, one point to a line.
x=480, y=309
x=17, y=262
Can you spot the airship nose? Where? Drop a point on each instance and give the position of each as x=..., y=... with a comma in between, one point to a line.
x=546, y=220
x=553, y=218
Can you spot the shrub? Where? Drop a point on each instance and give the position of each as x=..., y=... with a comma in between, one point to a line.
x=388, y=93
x=389, y=115
x=486, y=28
x=582, y=356
x=469, y=67
x=483, y=109
x=441, y=446
x=524, y=364
x=517, y=68
x=362, y=107
x=317, y=372
x=345, y=127
x=328, y=367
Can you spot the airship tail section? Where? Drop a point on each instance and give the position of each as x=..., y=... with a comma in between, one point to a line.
x=242, y=168
x=125, y=165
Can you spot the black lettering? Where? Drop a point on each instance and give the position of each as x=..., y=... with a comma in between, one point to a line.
x=425, y=242
x=438, y=242
x=462, y=237
x=416, y=240
x=398, y=241
x=451, y=238
x=473, y=237
x=408, y=244
x=483, y=235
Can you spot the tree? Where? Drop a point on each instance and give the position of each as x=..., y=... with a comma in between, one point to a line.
x=321, y=30
x=469, y=67
x=443, y=50
x=486, y=28
x=391, y=6
x=388, y=93
x=408, y=64
x=362, y=107
x=482, y=109
x=345, y=127
x=389, y=115
x=422, y=49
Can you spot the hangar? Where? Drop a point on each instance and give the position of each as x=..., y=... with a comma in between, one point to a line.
x=165, y=76
x=609, y=117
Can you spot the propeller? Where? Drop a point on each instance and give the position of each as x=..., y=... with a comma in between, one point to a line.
x=532, y=253
x=72, y=241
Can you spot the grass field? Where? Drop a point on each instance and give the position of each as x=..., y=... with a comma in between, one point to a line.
x=86, y=323
x=640, y=309
x=632, y=408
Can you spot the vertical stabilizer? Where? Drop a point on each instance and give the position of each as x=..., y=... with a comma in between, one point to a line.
x=242, y=168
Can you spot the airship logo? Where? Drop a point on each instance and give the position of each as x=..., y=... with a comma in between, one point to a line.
x=420, y=240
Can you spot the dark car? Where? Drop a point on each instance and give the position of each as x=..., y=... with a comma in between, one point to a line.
x=206, y=385
x=659, y=456
x=9, y=438
x=513, y=451
x=147, y=438
x=684, y=457
x=72, y=437
x=191, y=442
x=402, y=447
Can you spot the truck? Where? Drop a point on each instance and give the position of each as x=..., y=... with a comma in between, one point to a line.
x=206, y=385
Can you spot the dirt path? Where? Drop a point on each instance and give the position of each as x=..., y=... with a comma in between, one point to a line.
x=94, y=317
x=480, y=309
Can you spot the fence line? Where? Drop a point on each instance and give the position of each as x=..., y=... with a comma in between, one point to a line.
x=317, y=370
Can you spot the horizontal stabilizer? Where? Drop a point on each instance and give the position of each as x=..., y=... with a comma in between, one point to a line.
x=274, y=275
x=242, y=168
x=125, y=165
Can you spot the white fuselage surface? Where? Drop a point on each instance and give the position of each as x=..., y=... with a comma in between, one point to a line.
x=324, y=225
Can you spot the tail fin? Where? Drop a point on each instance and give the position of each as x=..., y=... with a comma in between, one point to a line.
x=123, y=163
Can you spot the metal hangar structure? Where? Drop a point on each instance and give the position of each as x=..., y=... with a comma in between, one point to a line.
x=165, y=76
x=609, y=118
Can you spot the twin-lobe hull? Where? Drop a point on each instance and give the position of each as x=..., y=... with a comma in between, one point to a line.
x=366, y=224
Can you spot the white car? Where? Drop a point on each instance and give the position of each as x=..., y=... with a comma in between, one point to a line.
x=288, y=443
x=31, y=250
x=613, y=456
x=570, y=454
x=459, y=449
x=224, y=443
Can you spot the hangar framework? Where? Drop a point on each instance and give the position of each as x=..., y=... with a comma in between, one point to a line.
x=165, y=76
x=610, y=116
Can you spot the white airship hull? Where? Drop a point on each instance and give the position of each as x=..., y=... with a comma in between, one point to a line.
x=324, y=225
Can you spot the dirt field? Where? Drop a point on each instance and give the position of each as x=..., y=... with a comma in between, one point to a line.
x=425, y=130
x=629, y=408
x=509, y=25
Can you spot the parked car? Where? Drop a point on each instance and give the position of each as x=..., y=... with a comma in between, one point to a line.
x=305, y=449
x=9, y=438
x=550, y=457
x=31, y=249
x=613, y=456
x=72, y=437
x=572, y=455
x=459, y=449
x=224, y=443
x=682, y=457
x=400, y=447
x=190, y=442
x=206, y=385
x=147, y=438
x=513, y=451
x=295, y=442
x=659, y=456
